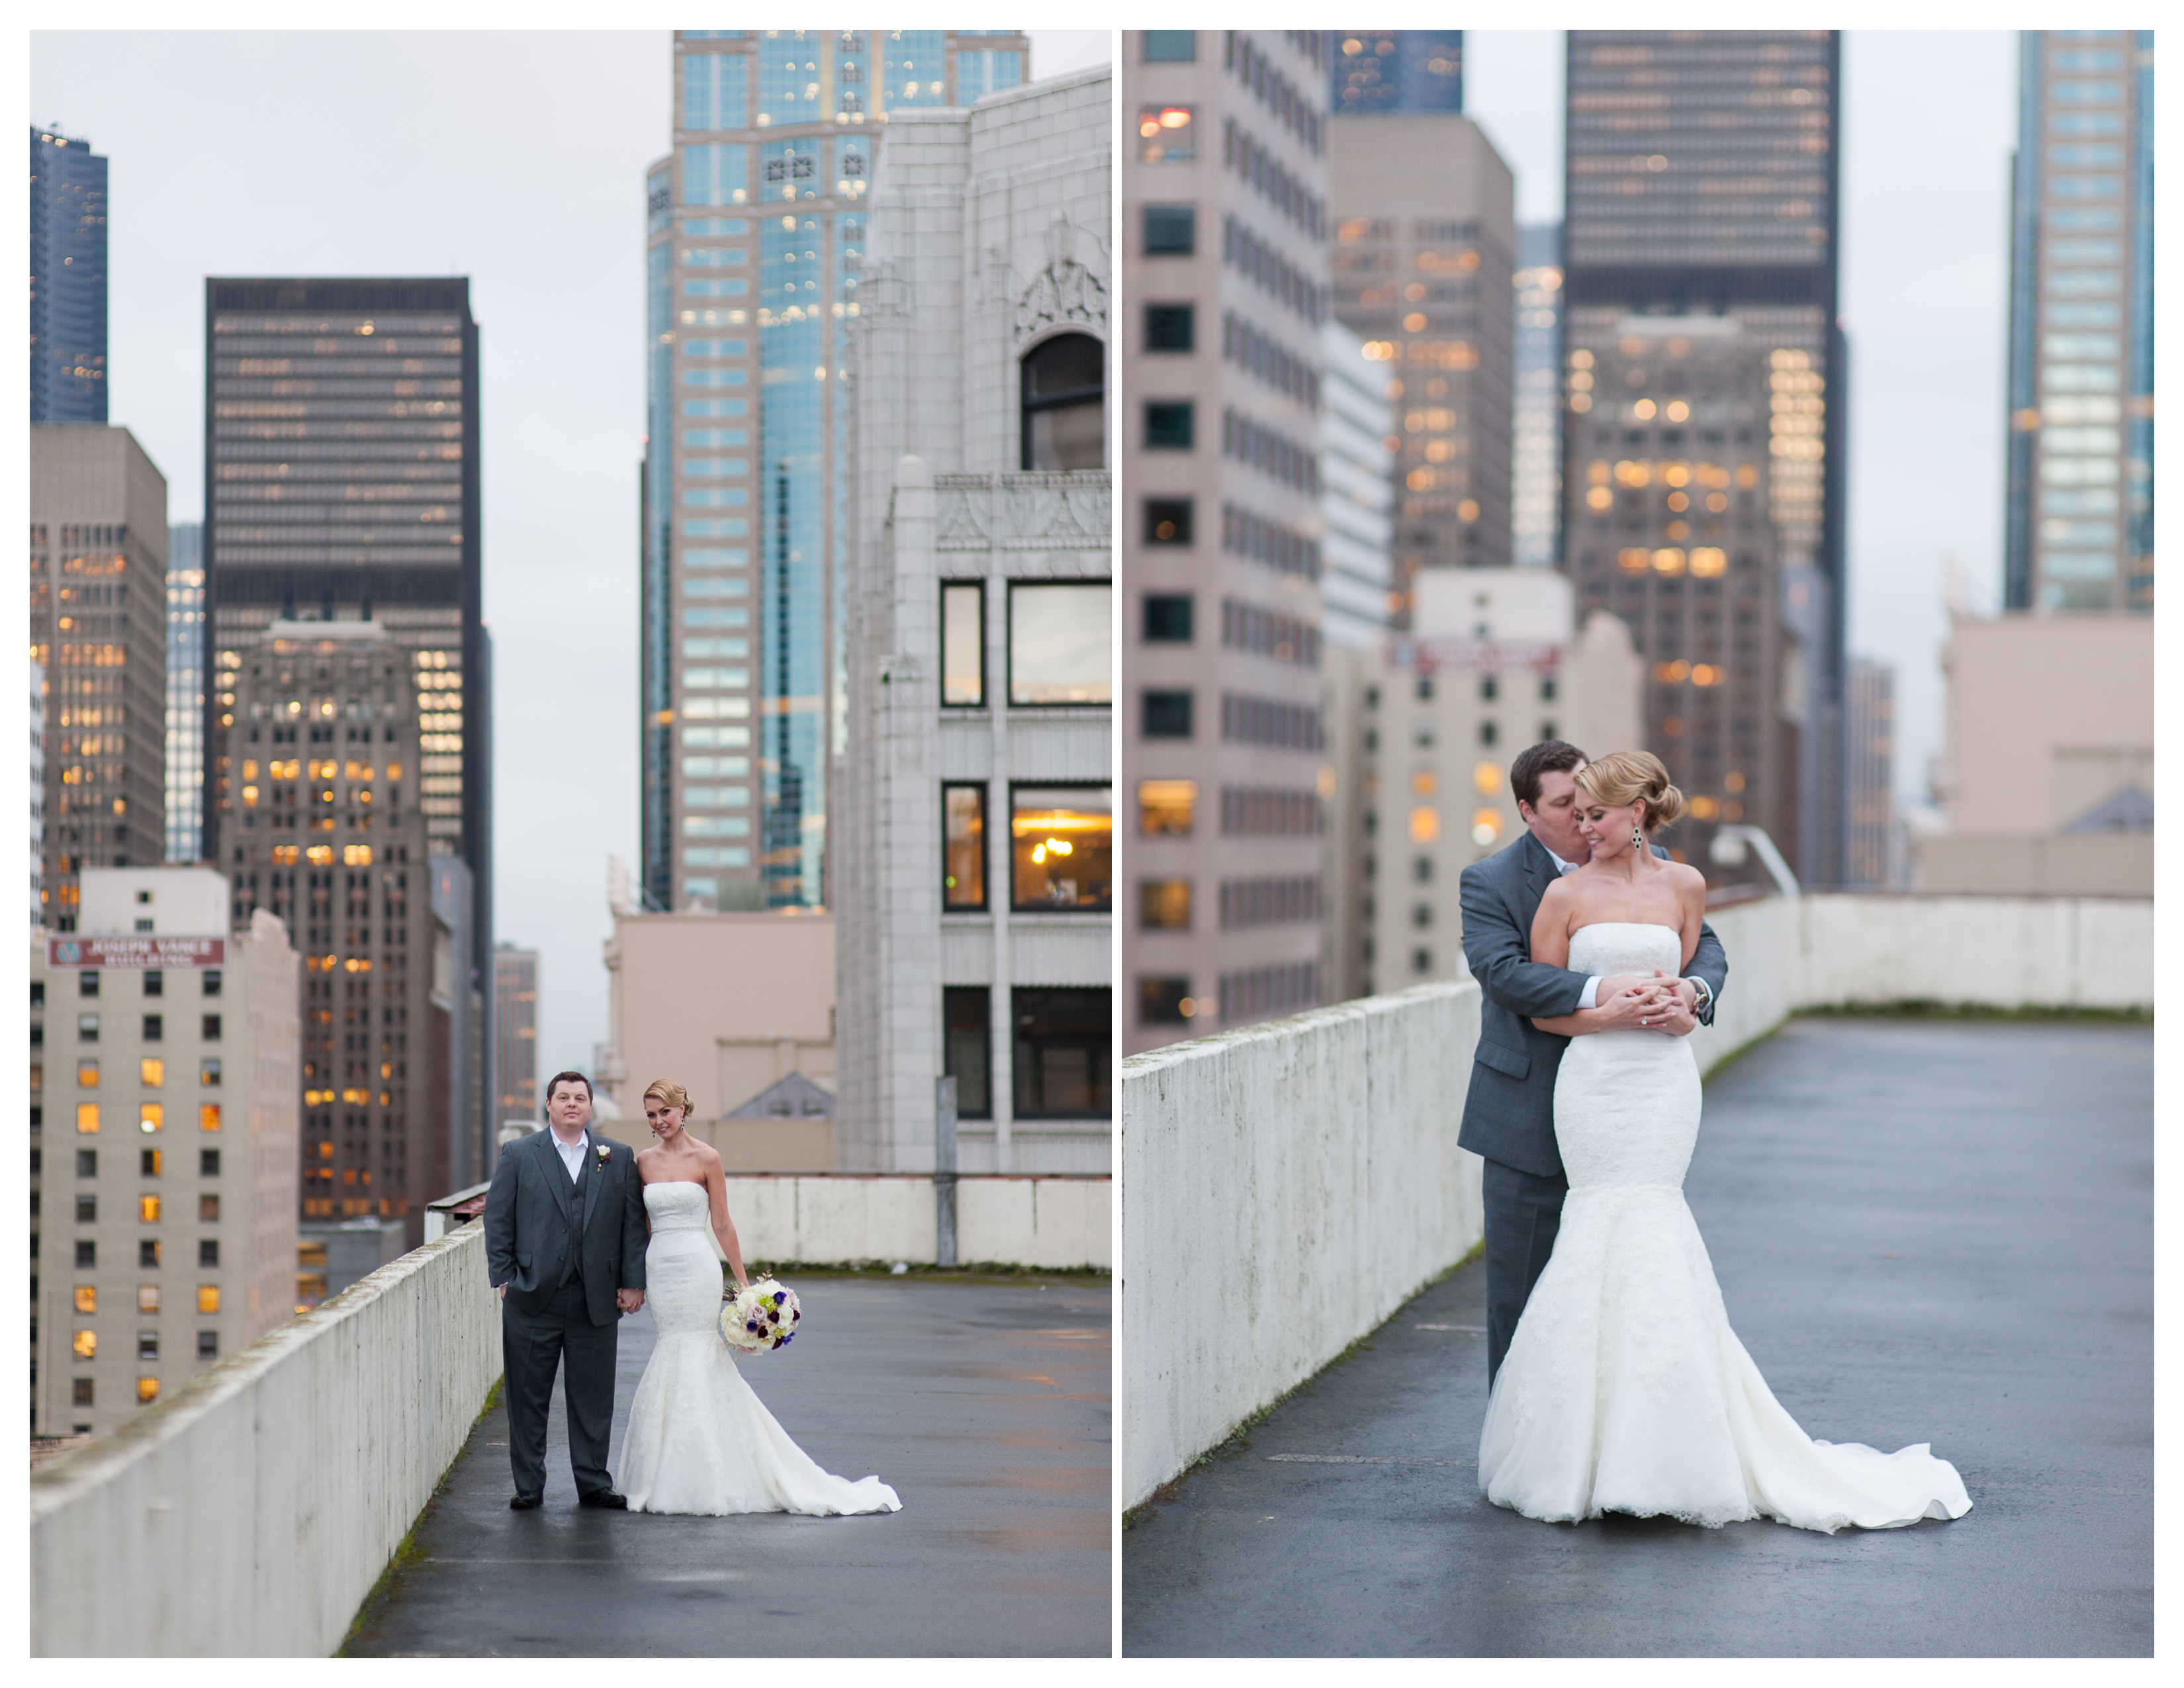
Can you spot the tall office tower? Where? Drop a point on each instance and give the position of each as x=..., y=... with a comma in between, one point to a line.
x=1702, y=454
x=1535, y=504
x=1357, y=497
x=1870, y=853
x=163, y=1143
x=342, y=432
x=1425, y=250
x=1225, y=224
x=974, y=865
x=37, y=855
x=1382, y=70
x=330, y=828
x=98, y=591
x=68, y=280
x=185, y=631
x=2080, y=515
x=755, y=224
x=515, y=1034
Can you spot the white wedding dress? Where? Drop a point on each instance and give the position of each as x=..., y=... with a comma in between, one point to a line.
x=698, y=1440
x=1624, y=1388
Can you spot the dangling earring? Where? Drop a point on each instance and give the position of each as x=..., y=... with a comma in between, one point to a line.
x=1637, y=839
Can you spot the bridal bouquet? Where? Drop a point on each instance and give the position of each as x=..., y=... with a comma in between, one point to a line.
x=760, y=1317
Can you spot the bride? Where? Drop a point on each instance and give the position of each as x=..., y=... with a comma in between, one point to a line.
x=699, y=1439
x=1624, y=1390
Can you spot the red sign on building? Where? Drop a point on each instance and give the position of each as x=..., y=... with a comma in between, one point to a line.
x=150, y=954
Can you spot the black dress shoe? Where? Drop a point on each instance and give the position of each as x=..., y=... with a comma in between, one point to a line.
x=523, y=1503
x=603, y=1498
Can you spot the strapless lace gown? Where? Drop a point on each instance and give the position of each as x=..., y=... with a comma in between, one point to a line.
x=699, y=1439
x=1624, y=1388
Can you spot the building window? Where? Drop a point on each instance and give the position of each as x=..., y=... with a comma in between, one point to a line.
x=962, y=643
x=82, y=1397
x=966, y=1048
x=86, y=1028
x=86, y=983
x=1061, y=643
x=86, y=1163
x=86, y=1254
x=1061, y=1052
x=209, y=1209
x=147, y=1209
x=210, y=1032
x=963, y=847
x=208, y=1071
x=208, y=1251
x=208, y=1116
x=1167, y=618
x=207, y=1163
x=207, y=1298
x=1170, y=328
x=1168, y=522
x=1421, y=960
x=147, y=1344
x=1062, y=841
x=1164, y=905
x=1165, y=807
x=1171, y=46
x=1167, y=714
x=147, y=1253
x=209, y=982
x=148, y=1390
x=87, y=1210
x=1169, y=425
x=1164, y=1000
x=1065, y=404
x=1166, y=134
x=151, y=1116
x=208, y=1344
x=86, y=1298
x=147, y=1298
x=152, y=1073
x=155, y=984
x=86, y=1345
x=1171, y=231
x=155, y=1028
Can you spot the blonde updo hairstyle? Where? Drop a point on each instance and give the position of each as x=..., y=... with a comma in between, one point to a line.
x=671, y=1093
x=1625, y=777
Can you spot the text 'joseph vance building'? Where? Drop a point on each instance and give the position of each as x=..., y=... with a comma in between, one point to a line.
x=347, y=734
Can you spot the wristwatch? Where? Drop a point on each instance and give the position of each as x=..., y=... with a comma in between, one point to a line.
x=1705, y=993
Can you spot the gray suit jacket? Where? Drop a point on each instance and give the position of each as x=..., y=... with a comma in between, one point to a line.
x=533, y=1213
x=1509, y=1114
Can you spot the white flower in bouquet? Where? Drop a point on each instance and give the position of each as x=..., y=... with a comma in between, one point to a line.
x=759, y=1317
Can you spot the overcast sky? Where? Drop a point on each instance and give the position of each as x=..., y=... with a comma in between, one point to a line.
x=518, y=160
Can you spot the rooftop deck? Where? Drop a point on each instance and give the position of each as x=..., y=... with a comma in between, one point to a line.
x=1926, y=1231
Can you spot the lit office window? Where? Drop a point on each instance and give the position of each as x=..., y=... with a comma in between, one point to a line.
x=1062, y=841
x=1164, y=904
x=964, y=846
x=1165, y=807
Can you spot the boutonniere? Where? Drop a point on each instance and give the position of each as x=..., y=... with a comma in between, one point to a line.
x=602, y=1151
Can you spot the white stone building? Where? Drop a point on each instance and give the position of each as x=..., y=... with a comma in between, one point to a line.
x=973, y=853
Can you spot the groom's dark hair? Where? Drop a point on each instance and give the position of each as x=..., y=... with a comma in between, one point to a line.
x=1549, y=755
x=568, y=1079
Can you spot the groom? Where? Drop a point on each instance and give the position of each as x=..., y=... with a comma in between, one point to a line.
x=1509, y=1115
x=565, y=1239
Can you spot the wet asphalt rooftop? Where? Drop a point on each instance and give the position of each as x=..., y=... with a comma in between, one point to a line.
x=1925, y=1232
x=984, y=1402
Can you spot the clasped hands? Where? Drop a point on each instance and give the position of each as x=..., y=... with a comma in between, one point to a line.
x=1659, y=1004
x=628, y=1300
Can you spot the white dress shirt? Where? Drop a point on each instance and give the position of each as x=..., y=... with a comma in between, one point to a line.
x=572, y=1154
x=1590, y=997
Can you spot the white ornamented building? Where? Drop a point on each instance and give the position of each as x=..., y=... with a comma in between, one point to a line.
x=974, y=851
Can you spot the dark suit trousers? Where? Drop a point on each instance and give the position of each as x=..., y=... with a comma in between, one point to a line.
x=1524, y=1211
x=532, y=1344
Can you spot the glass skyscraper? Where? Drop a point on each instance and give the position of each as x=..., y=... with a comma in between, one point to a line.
x=1536, y=455
x=1391, y=70
x=2080, y=528
x=68, y=280
x=1704, y=371
x=754, y=233
x=186, y=630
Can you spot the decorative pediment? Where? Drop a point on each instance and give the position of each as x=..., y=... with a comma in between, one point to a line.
x=1064, y=291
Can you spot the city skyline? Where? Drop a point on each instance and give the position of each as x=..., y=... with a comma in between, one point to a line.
x=1928, y=394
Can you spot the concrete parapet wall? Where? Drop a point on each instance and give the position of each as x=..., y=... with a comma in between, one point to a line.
x=1029, y=1220
x=250, y=1515
x=1289, y=1185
